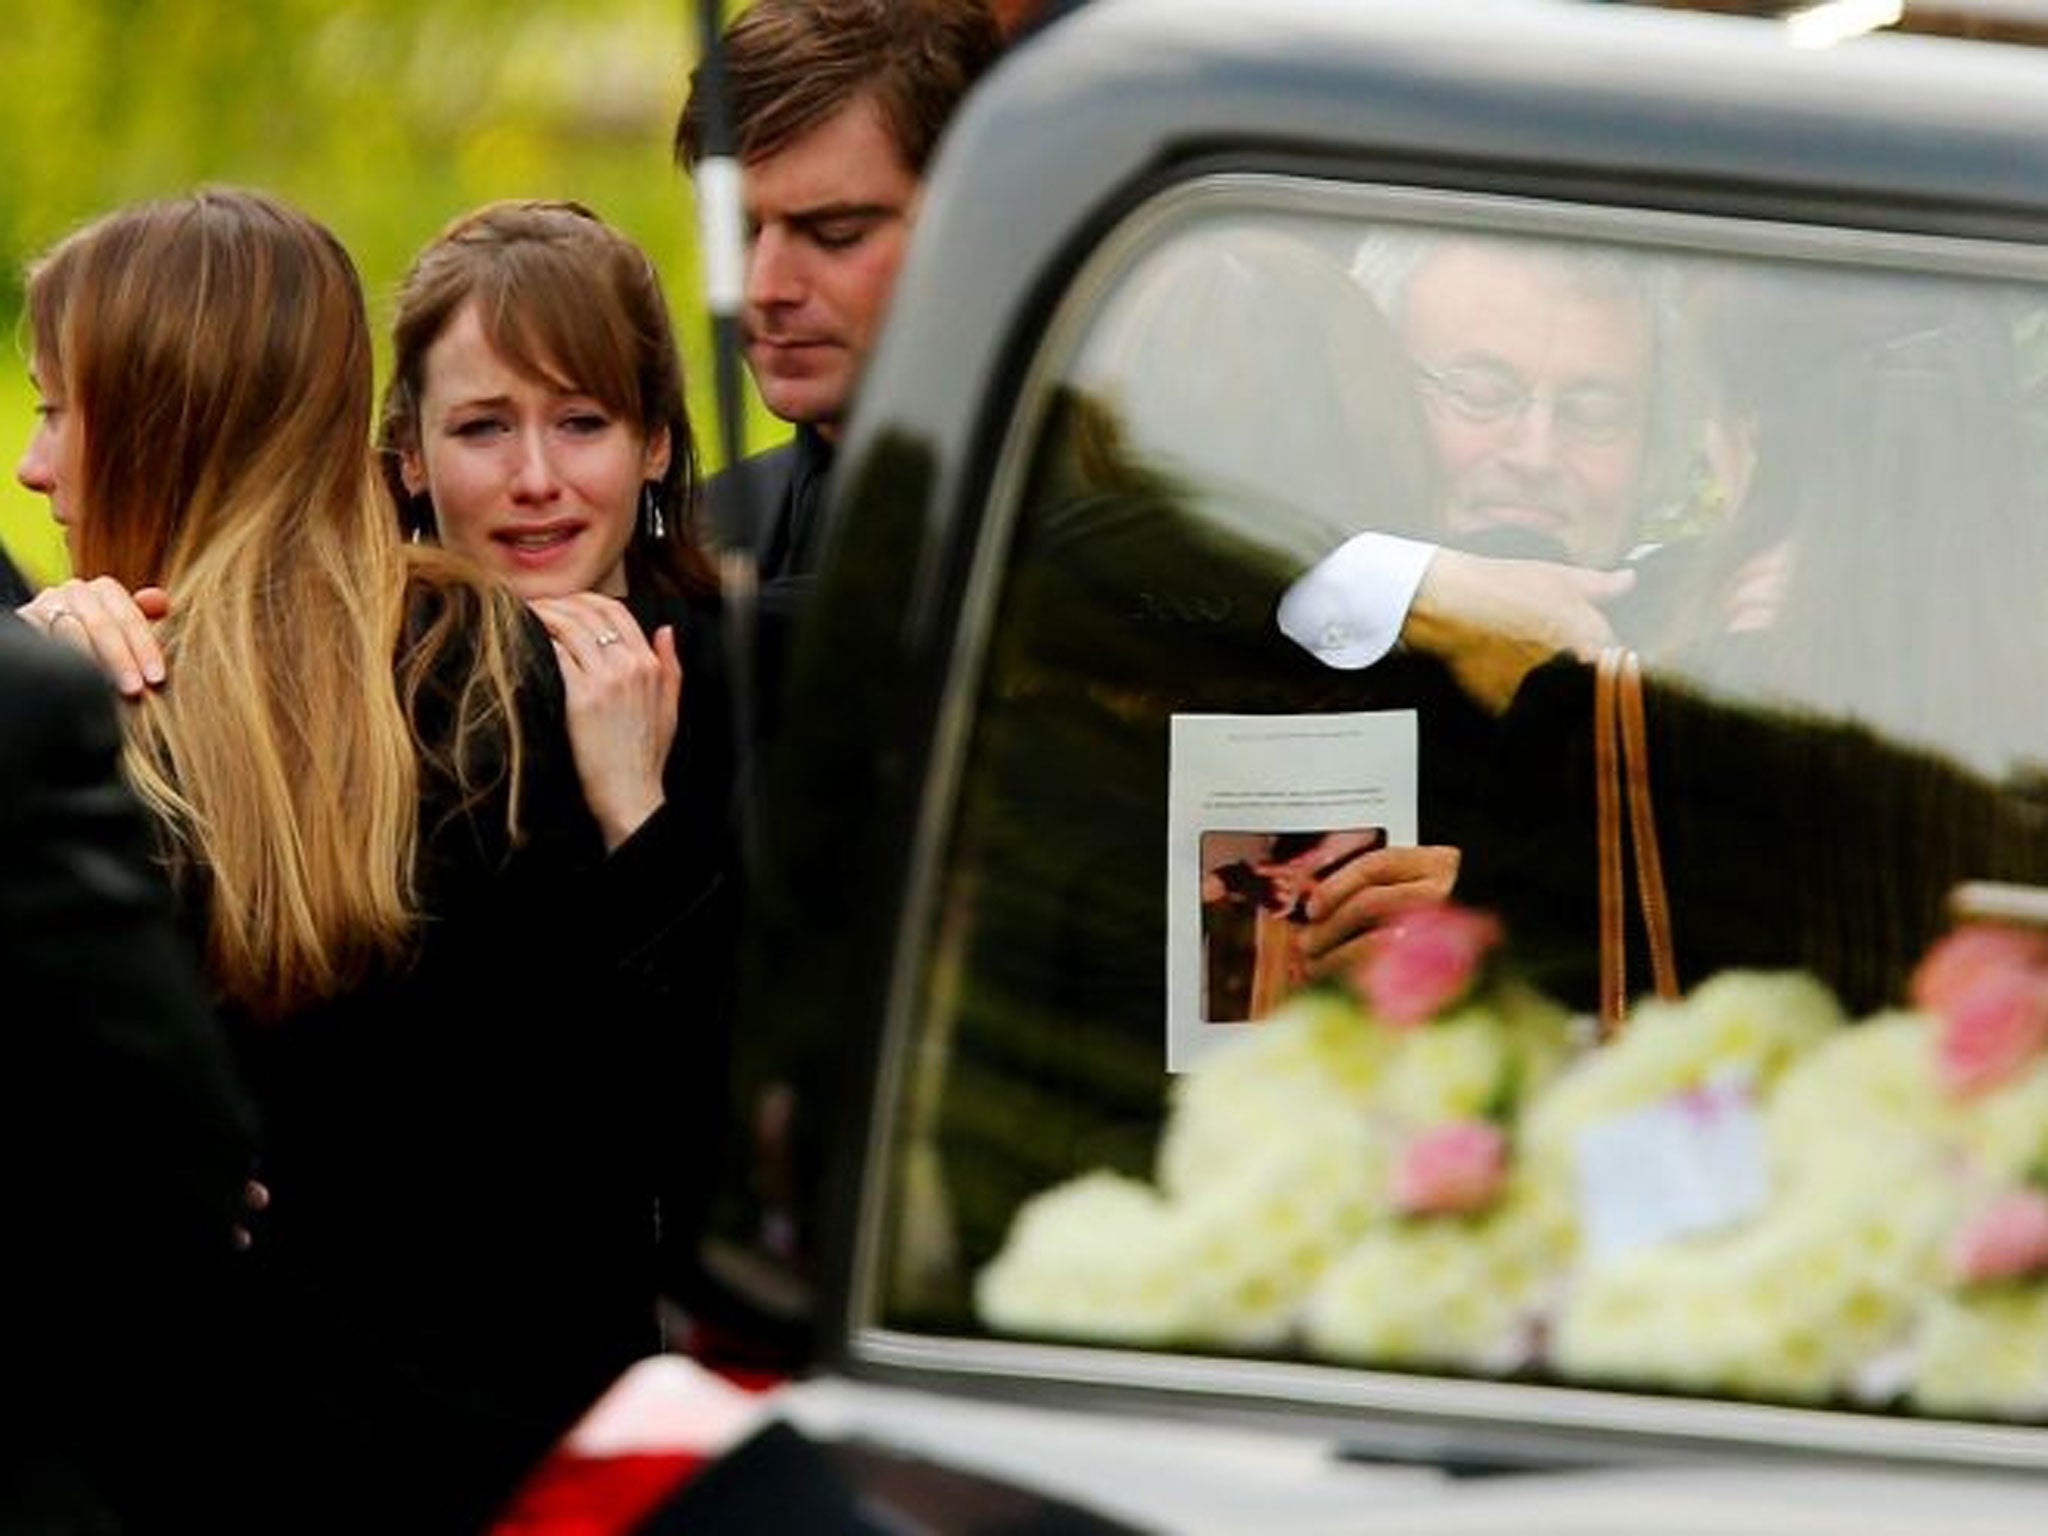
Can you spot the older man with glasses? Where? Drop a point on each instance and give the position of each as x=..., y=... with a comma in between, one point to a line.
x=1536, y=366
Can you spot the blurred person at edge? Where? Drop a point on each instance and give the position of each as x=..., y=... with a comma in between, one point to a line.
x=1842, y=414
x=116, y=1075
x=431, y=959
x=534, y=422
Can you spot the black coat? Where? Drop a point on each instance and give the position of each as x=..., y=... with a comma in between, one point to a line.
x=14, y=587
x=746, y=505
x=471, y=1161
x=772, y=506
x=1788, y=841
x=123, y=1139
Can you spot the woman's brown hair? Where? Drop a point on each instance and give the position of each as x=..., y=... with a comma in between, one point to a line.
x=567, y=300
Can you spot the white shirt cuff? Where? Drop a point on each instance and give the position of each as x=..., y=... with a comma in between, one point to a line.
x=1347, y=611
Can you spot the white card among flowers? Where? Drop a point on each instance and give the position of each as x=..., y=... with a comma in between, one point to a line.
x=1691, y=1162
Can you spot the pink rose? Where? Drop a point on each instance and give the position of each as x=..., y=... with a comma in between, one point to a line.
x=2007, y=1239
x=1421, y=962
x=1989, y=1029
x=1962, y=957
x=1455, y=1167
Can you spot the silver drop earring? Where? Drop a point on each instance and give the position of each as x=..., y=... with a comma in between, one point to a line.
x=651, y=517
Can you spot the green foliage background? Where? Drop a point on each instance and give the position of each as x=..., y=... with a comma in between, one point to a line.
x=384, y=118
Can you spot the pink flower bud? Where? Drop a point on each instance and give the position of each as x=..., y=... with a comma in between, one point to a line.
x=1989, y=1029
x=1421, y=962
x=2007, y=1239
x=1962, y=957
x=1455, y=1167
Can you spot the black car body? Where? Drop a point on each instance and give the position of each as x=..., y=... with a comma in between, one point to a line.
x=969, y=827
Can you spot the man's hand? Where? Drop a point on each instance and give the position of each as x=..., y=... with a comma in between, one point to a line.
x=109, y=624
x=1494, y=621
x=1349, y=902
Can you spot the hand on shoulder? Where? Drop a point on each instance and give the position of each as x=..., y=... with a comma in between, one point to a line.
x=103, y=620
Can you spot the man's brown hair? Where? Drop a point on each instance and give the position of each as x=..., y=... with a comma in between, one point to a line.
x=791, y=64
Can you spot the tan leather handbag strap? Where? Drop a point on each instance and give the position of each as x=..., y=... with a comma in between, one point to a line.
x=1635, y=746
x=1607, y=818
x=1621, y=773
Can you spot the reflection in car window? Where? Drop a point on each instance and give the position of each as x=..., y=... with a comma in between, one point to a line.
x=1823, y=487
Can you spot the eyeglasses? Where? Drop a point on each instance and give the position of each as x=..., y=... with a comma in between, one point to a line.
x=1487, y=396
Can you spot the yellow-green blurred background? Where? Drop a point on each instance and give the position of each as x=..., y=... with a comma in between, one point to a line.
x=384, y=118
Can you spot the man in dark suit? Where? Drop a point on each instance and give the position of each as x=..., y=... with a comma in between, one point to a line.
x=836, y=106
x=123, y=1136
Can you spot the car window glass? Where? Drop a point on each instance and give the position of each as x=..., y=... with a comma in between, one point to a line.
x=1813, y=490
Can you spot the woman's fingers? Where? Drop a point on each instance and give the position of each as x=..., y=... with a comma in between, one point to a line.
x=127, y=639
x=671, y=664
x=1759, y=592
x=102, y=619
x=623, y=692
x=595, y=629
x=256, y=1197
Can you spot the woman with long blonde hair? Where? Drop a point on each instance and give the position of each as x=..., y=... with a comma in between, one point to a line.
x=433, y=968
x=217, y=465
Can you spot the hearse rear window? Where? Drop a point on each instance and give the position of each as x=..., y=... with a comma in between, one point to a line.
x=1261, y=1010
